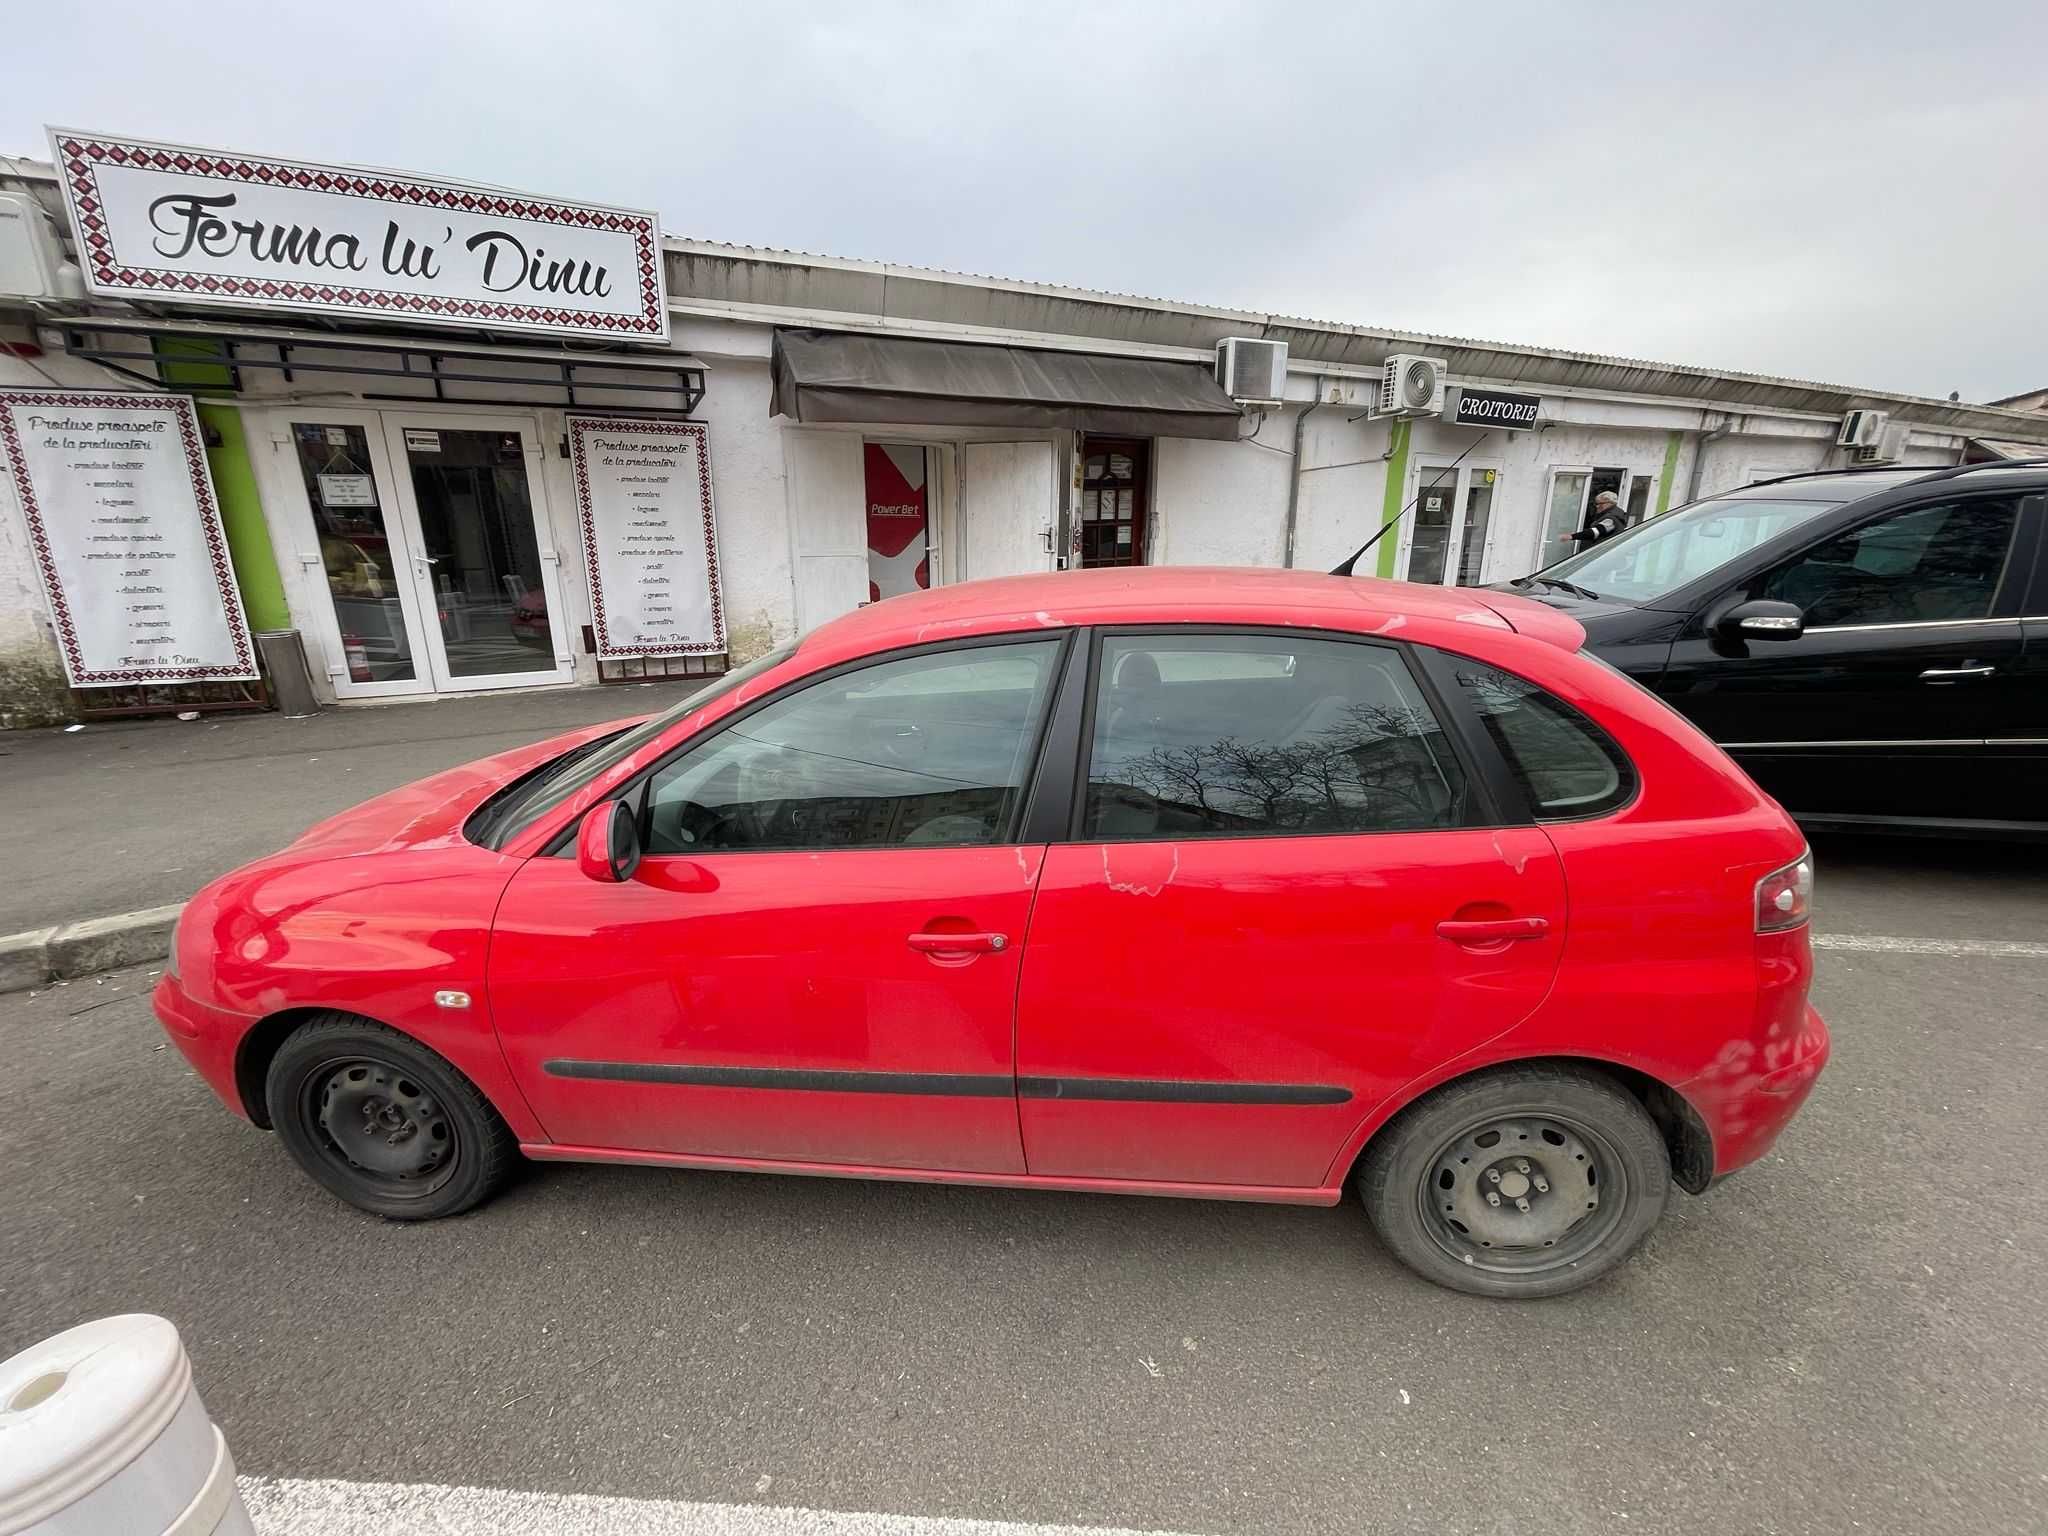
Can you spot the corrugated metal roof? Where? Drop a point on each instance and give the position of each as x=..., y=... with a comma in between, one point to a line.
x=929, y=296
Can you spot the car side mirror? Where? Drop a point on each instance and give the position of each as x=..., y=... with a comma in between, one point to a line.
x=608, y=842
x=1762, y=618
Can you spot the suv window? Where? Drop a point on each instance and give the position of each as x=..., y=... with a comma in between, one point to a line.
x=1222, y=735
x=1922, y=564
x=923, y=751
x=1566, y=765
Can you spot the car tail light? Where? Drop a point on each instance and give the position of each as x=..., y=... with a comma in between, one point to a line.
x=1784, y=897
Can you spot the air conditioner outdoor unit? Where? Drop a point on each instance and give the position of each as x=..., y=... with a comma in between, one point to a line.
x=32, y=261
x=1862, y=429
x=1889, y=448
x=1252, y=372
x=1411, y=386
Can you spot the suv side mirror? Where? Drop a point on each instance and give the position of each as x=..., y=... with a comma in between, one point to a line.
x=1762, y=618
x=608, y=842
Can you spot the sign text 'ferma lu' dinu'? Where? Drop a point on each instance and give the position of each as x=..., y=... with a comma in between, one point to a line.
x=191, y=226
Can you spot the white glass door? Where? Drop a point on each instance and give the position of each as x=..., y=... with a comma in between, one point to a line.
x=1564, y=508
x=356, y=592
x=484, y=569
x=1450, y=529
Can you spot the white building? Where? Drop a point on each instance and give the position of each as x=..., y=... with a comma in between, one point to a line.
x=403, y=496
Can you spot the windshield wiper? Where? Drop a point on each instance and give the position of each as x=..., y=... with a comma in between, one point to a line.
x=1566, y=586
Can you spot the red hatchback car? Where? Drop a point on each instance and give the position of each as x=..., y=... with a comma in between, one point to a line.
x=1246, y=884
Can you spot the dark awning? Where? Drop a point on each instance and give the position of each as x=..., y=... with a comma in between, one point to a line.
x=834, y=376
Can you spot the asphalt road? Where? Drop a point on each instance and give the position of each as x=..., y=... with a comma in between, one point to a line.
x=138, y=813
x=1846, y=1337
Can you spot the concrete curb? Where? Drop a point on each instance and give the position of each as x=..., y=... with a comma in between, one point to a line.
x=44, y=955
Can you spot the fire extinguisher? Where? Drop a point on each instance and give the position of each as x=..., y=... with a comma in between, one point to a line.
x=358, y=656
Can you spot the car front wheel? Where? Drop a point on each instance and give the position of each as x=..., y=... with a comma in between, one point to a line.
x=384, y=1123
x=1521, y=1182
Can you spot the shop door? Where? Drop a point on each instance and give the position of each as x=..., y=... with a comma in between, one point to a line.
x=1452, y=529
x=364, y=608
x=1568, y=501
x=1006, y=509
x=424, y=543
x=484, y=567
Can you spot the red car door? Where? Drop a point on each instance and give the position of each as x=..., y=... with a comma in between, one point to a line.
x=817, y=959
x=1277, y=913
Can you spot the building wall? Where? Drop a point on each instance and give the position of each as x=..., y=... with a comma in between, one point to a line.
x=1220, y=503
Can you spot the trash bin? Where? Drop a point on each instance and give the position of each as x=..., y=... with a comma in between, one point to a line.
x=284, y=661
x=102, y=1431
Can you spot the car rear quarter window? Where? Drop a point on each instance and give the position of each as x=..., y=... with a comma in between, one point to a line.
x=1566, y=765
x=1223, y=735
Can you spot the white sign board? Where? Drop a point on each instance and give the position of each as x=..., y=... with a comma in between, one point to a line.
x=643, y=495
x=124, y=529
x=195, y=226
x=347, y=491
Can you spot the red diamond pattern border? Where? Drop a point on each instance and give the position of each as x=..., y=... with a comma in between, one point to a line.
x=81, y=156
x=580, y=461
x=180, y=407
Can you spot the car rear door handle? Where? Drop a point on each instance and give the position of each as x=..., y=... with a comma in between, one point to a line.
x=958, y=943
x=1492, y=930
x=1954, y=674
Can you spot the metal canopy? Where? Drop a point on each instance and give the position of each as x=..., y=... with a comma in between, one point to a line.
x=834, y=376
x=166, y=353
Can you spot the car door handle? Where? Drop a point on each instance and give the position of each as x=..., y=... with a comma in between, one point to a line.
x=1492, y=930
x=1954, y=674
x=958, y=943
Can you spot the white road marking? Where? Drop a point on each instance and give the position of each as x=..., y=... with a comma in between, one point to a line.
x=1879, y=944
x=290, y=1506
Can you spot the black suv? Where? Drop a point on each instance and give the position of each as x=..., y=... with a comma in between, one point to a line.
x=1871, y=645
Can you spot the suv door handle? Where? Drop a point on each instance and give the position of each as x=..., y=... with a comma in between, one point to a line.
x=1492, y=930
x=958, y=943
x=1954, y=674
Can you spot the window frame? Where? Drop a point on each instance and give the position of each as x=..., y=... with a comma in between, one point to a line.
x=634, y=789
x=2008, y=596
x=1484, y=774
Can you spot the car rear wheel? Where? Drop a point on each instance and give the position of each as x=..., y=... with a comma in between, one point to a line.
x=384, y=1123
x=1523, y=1182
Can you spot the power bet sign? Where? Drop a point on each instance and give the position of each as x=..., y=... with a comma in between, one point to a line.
x=173, y=224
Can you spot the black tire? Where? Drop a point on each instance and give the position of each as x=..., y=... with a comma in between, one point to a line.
x=385, y=1124
x=1451, y=1184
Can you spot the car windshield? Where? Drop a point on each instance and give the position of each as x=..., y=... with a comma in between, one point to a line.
x=1662, y=555
x=526, y=799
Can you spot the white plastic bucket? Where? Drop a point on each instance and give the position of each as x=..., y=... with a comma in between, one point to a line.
x=103, y=1434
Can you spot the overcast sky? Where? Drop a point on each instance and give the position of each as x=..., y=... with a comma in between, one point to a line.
x=1855, y=192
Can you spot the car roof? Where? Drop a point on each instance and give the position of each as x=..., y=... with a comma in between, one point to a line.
x=1855, y=484
x=1823, y=486
x=1185, y=594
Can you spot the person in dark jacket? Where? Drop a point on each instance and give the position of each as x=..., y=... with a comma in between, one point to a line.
x=1607, y=520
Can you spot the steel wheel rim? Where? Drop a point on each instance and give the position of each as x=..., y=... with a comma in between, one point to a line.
x=1559, y=1190
x=380, y=1125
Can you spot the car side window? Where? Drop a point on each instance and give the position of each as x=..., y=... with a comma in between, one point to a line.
x=1918, y=565
x=1567, y=766
x=927, y=750
x=1234, y=735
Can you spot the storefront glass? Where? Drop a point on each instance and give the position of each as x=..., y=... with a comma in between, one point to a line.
x=356, y=549
x=898, y=494
x=476, y=526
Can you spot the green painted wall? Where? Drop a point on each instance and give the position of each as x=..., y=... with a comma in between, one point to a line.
x=1671, y=441
x=1390, y=500
x=241, y=517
